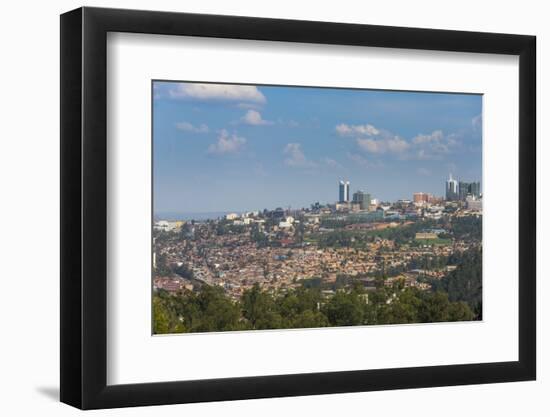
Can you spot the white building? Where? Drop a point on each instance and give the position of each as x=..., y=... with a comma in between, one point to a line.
x=474, y=203
x=231, y=216
x=312, y=218
x=343, y=206
x=287, y=223
x=166, y=226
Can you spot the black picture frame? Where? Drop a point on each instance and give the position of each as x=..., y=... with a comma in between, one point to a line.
x=84, y=207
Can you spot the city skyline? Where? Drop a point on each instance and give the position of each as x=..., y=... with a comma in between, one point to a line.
x=346, y=194
x=224, y=147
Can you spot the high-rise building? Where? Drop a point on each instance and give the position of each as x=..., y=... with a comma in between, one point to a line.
x=475, y=189
x=463, y=190
x=451, y=189
x=343, y=192
x=361, y=198
x=466, y=189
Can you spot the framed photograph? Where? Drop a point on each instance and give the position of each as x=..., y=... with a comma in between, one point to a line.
x=259, y=208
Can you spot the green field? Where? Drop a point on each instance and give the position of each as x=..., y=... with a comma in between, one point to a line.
x=437, y=241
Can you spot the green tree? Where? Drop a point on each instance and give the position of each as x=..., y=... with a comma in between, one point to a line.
x=294, y=303
x=259, y=308
x=309, y=319
x=460, y=311
x=403, y=308
x=165, y=319
x=345, y=309
x=161, y=319
x=218, y=313
x=465, y=282
x=436, y=307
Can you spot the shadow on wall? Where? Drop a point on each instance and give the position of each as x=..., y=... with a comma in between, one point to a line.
x=50, y=392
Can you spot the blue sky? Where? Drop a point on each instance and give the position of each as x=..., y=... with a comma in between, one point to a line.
x=227, y=147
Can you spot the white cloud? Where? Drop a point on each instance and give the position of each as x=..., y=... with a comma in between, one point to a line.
x=362, y=161
x=220, y=92
x=247, y=106
x=364, y=130
x=331, y=163
x=188, y=127
x=254, y=118
x=424, y=171
x=453, y=139
x=392, y=144
x=296, y=157
x=434, y=145
x=227, y=143
x=435, y=136
x=374, y=140
x=421, y=154
x=358, y=159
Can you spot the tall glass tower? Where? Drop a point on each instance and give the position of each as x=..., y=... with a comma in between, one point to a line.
x=451, y=189
x=343, y=192
x=463, y=190
x=475, y=189
x=468, y=188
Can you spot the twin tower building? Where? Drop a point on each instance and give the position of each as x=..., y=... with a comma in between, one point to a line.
x=458, y=190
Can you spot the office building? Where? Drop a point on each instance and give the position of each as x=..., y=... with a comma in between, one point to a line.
x=463, y=190
x=343, y=192
x=475, y=189
x=466, y=189
x=451, y=189
x=361, y=198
